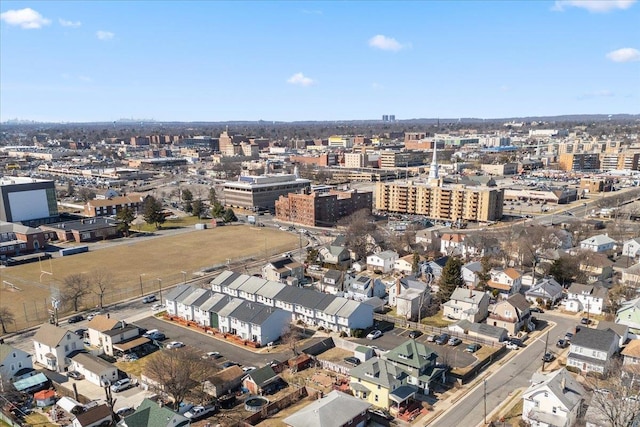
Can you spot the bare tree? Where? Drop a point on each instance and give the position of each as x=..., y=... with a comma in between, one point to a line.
x=614, y=397
x=102, y=280
x=178, y=372
x=359, y=226
x=290, y=337
x=76, y=287
x=6, y=317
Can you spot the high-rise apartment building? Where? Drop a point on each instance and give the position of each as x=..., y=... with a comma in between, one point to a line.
x=441, y=202
x=579, y=162
x=321, y=209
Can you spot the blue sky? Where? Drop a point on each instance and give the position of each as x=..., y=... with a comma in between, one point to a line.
x=286, y=60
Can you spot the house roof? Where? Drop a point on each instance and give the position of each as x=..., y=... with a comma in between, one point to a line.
x=484, y=329
x=545, y=287
x=519, y=302
x=512, y=273
x=379, y=371
x=252, y=312
x=229, y=306
x=121, y=329
x=335, y=409
x=212, y=301
x=93, y=415
x=176, y=292
x=150, y=414
x=596, y=339
x=271, y=289
x=348, y=308
x=50, y=335
x=252, y=285
x=412, y=353
x=290, y=294
x=561, y=383
x=618, y=328
x=468, y=295
x=237, y=282
x=6, y=350
x=475, y=266
x=102, y=323
x=262, y=376
x=227, y=375
x=632, y=349
x=333, y=274
x=190, y=298
x=225, y=278
x=335, y=306
x=386, y=255
x=92, y=363
x=453, y=237
x=285, y=262
x=598, y=240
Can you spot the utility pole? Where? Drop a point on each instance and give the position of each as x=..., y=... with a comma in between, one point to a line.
x=546, y=344
x=484, y=383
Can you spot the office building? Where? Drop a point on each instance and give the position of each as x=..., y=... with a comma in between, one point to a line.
x=572, y=162
x=261, y=192
x=27, y=200
x=394, y=159
x=321, y=209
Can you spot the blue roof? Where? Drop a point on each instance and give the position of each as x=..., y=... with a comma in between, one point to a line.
x=33, y=381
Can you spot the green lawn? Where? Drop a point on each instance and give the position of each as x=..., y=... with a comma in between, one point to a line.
x=436, y=320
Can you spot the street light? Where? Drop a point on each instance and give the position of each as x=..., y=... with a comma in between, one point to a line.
x=160, y=287
x=141, y=289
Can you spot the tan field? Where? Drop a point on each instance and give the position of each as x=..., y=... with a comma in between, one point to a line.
x=155, y=261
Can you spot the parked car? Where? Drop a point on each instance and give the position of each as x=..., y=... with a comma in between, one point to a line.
x=472, y=348
x=229, y=364
x=454, y=341
x=562, y=344
x=414, y=334
x=121, y=385
x=80, y=332
x=248, y=369
x=157, y=307
x=431, y=338
x=512, y=346
x=75, y=319
x=382, y=414
x=374, y=334
x=353, y=361
x=442, y=339
x=175, y=344
x=548, y=357
x=517, y=341
x=568, y=336
x=585, y=321
x=93, y=314
x=126, y=411
x=75, y=375
x=212, y=355
x=536, y=310
x=131, y=357
x=149, y=299
x=199, y=411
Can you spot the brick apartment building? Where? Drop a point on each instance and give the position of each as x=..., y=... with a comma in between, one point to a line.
x=321, y=209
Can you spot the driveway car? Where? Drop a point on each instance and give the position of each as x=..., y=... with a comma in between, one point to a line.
x=121, y=385
x=382, y=414
x=374, y=334
x=454, y=341
x=149, y=299
x=442, y=339
x=199, y=411
x=352, y=361
x=212, y=355
x=414, y=334
x=75, y=375
x=123, y=412
x=562, y=344
x=175, y=344
x=512, y=346
x=248, y=369
x=75, y=319
x=472, y=348
x=585, y=321
x=548, y=357
x=230, y=364
x=158, y=307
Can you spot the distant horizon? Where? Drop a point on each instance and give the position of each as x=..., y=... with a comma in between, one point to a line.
x=302, y=61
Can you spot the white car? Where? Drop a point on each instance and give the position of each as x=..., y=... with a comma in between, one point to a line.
x=157, y=307
x=175, y=344
x=212, y=355
x=512, y=346
x=93, y=314
x=374, y=334
x=199, y=411
x=248, y=369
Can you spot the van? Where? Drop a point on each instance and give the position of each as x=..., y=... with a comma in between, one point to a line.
x=121, y=385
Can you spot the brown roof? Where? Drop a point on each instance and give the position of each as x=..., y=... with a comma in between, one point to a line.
x=498, y=285
x=102, y=323
x=632, y=349
x=226, y=375
x=124, y=346
x=93, y=415
x=454, y=237
x=50, y=335
x=512, y=273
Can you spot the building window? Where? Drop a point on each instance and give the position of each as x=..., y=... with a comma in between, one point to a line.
x=375, y=398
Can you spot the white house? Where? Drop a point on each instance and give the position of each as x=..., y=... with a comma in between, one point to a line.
x=176, y=295
x=53, y=344
x=94, y=416
x=405, y=264
x=553, y=399
x=206, y=310
x=362, y=287
x=253, y=322
x=599, y=243
x=332, y=282
x=470, y=273
x=591, y=350
x=587, y=298
x=547, y=290
x=631, y=247
x=383, y=261
x=186, y=306
x=95, y=370
x=506, y=282
x=629, y=314
x=283, y=270
x=12, y=361
x=105, y=332
x=452, y=244
x=466, y=304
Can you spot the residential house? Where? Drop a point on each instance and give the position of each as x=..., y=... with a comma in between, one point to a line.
x=261, y=381
x=481, y=331
x=382, y=262
x=597, y=267
x=336, y=409
x=405, y=264
x=586, y=298
x=111, y=206
x=468, y=245
x=631, y=276
x=470, y=273
x=335, y=253
x=591, y=350
x=250, y=288
x=631, y=354
x=599, y=243
x=95, y=370
x=467, y=304
x=253, y=322
x=285, y=270
x=631, y=248
x=553, y=399
x=94, y=416
x=396, y=377
x=105, y=333
x=53, y=346
x=513, y=314
x=362, y=287
x=332, y=282
x=186, y=306
x=224, y=381
x=430, y=239
x=622, y=331
x=206, y=314
x=409, y=296
x=13, y=362
x=452, y=244
x=505, y=282
x=176, y=295
x=150, y=414
x=546, y=291
x=629, y=314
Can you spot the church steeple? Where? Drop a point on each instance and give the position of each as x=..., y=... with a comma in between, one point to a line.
x=433, y=169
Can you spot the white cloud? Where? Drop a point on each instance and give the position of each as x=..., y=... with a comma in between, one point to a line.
x=595, y=6
x=605, y=93
x=72, y=24
x=626, y=54
x=104, y=35
x=300, y=79
x=26, y=18
x=385, y=43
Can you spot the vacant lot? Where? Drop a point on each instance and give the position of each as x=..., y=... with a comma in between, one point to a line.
x=154, y=262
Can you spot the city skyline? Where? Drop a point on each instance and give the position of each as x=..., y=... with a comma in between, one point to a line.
x=299, y=61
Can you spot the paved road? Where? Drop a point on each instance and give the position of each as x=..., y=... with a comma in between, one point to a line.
x=515, y=373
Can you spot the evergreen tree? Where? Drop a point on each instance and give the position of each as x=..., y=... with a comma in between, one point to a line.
x=198, y=208
x=450, y=279
x=229, y=216
x=564, y=270
x=213, y=197
x=415, y=264
x=153, y=214
x=187, y=198
x=483, y=275
x=217, y=210
x=125, y=217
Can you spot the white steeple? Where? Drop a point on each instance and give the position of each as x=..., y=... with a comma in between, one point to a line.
x=433, y=169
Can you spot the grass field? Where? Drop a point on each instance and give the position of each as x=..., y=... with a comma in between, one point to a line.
x=154, y=262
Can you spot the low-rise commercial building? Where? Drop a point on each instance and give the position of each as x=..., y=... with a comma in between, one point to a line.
x=261, y=192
